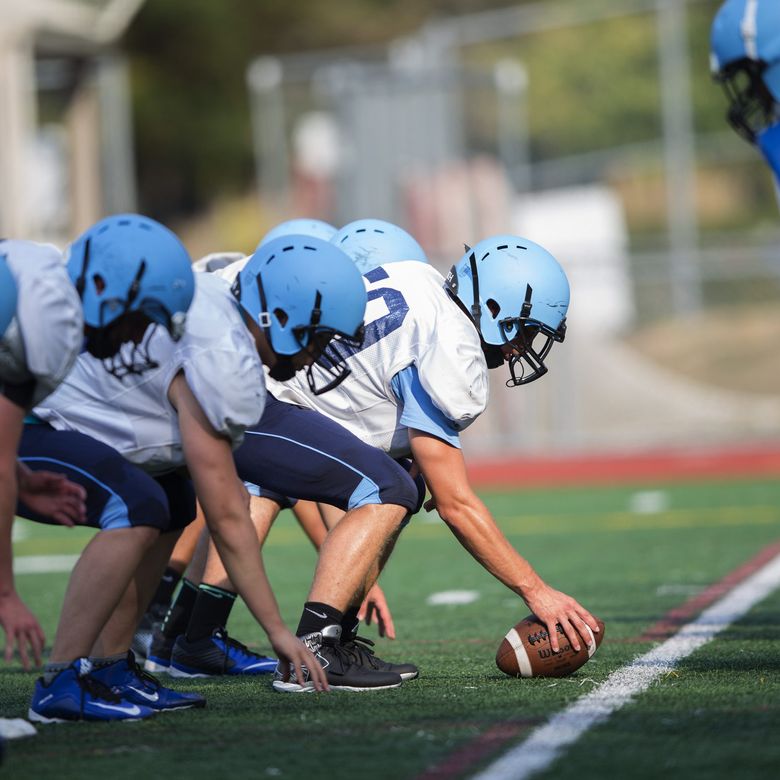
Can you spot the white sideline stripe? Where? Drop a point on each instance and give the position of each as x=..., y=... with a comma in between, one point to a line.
x=43, y=564
x=544, y=744
x=445, y=597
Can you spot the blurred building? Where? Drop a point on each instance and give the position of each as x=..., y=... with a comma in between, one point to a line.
x=65, y=137
x=436, y=133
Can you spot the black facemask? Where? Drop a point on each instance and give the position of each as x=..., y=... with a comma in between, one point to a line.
x=283, y=370
x=751, y=105
x=120, y=358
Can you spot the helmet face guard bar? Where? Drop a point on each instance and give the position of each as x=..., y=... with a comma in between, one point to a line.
x=527, y=364
x=120, y=355
x=751, y=105
x=132, y=359
x=124, y=357
x=332, y=360
x=320, y=341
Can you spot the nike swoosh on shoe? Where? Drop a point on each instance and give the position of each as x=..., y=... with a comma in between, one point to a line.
x=133, y=709
x=148, y=696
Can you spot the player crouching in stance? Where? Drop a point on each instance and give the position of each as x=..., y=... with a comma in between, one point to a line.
x=190, y=408
x=292, y=451
x=130, y=272
x=41, y=331
x=418, y=379
x=745, y=58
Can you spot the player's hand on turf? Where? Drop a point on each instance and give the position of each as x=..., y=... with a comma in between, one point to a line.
x=21, y=629
x=53, y=495
x=554, y=607
x=292, y=652
x=374, y=607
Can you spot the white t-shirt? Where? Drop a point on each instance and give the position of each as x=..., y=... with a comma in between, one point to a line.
x=410, y=321
x=133, y=414
x=44, y=338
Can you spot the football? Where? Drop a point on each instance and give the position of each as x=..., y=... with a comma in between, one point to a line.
x=525, y=651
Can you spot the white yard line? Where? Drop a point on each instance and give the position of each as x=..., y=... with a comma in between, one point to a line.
x=546, y=743
x=43, y=564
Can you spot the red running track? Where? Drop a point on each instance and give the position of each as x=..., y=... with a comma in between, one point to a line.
x=624, y=468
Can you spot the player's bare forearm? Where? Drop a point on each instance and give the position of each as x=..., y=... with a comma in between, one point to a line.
x=11, y=421
x=223, y=499
x=7, y=507
x=470, y=520
x=475, y=528
x=210, y=461
x=467, y=517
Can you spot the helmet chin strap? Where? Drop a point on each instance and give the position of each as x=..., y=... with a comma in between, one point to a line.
x=81, y=282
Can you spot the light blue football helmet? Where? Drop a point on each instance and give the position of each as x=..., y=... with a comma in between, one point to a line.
x=303, y=292
x=125, y=264
x=300, y=227
x=7, y=295
x=745, y=58
x=514, y=291
x=374, y=242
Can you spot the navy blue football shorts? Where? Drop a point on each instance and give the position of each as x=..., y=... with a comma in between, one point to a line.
x=300, y=453
x=119, y=494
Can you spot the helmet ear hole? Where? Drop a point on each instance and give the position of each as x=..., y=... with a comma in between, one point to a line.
x=281, y=315
x=495, y=309
x=99, y=282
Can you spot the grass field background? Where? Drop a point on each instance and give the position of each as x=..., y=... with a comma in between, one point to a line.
x=629, y=554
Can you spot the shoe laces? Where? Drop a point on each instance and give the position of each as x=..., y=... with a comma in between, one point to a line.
x=146, y=679
x=97, y=689
x=360, y=647
x=349, y=653
x=234, y=644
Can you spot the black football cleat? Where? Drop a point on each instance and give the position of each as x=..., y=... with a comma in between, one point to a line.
x=216, y=655
x=364, y=647
x=346, y=667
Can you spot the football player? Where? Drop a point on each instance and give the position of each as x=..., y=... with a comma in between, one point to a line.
x=745, y=58
x=374, y=242
x=40, y=336
x=417, y=381
x=189, y=406
x=129, y=272
x=185, y=547
x=291, y=451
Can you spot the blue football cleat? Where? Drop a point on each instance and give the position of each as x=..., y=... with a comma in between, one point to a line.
x=217, y=654
x=133, y=684
x=74, y=694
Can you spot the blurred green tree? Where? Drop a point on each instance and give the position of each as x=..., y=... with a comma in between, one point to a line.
x=590, y=87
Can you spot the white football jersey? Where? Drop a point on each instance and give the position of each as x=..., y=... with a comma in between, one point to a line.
x=133, y=414
x=231, y=271
x=216, y=261
x=410, y=320
x=44, y=338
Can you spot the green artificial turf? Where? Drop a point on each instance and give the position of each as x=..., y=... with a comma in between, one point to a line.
x=715, y=716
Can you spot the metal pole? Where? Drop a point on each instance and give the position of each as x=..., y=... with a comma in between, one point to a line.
x=116, y=130
x=269, y=139
x=18, y=121
x=680, y=156
x=511, y=79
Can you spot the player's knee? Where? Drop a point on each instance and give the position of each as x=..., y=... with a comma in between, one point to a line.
x=400, y=489
x=151, y=511
x=149, y=535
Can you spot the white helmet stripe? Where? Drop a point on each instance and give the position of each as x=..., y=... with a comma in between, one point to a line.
x=749, y=29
